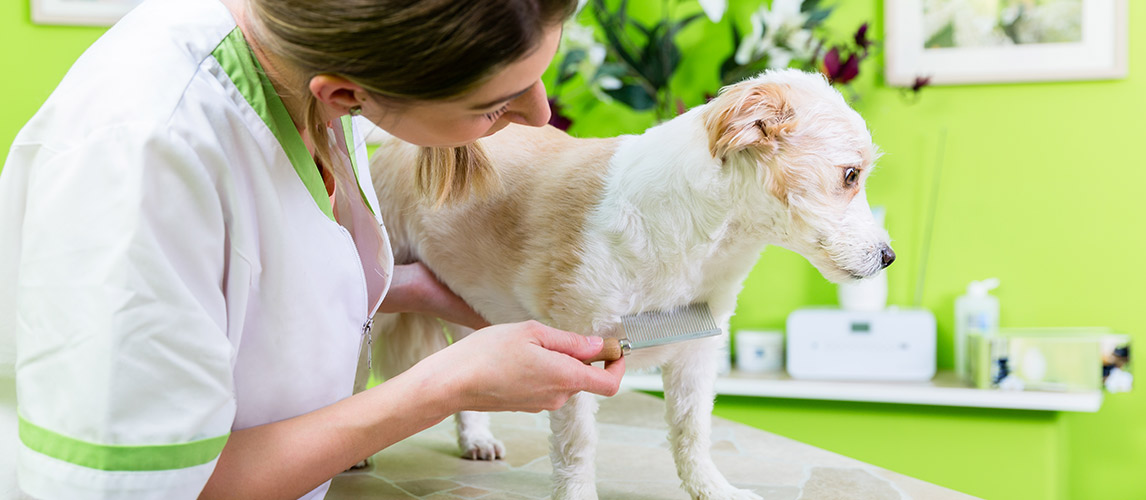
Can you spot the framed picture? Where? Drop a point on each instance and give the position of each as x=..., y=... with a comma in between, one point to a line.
x=987, y=41
x=80, y=12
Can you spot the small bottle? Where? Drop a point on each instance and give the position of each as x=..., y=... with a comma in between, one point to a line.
x=975, y=312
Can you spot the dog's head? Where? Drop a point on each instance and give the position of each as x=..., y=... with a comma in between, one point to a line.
x=808, y=154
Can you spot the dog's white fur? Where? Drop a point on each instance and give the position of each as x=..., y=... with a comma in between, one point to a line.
x=585, y=231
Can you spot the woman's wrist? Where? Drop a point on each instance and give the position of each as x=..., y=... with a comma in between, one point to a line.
x=436, y=392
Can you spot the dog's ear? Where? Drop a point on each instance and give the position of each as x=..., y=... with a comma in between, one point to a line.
x=748, y=116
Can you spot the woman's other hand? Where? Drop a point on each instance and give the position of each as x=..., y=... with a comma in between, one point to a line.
x=414, y=288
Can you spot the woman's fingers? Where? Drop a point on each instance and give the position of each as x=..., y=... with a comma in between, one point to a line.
x=592, y=379
x=572, y=344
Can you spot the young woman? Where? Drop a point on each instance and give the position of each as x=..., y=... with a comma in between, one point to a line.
x=190, y=255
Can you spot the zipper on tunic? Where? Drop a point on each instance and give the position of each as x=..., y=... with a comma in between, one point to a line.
x=369, y=342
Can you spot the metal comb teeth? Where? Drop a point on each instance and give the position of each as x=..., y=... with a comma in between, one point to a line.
x=662, y=327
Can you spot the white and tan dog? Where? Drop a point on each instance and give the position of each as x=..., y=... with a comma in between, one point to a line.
x=584, y=231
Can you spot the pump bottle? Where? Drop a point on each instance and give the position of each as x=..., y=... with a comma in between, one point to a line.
x=975, y=312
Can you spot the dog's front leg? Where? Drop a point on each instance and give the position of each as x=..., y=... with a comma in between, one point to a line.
x=689, y=383
x=474, y=437
x=573, y=446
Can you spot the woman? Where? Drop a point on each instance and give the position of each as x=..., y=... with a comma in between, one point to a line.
x=188, y=225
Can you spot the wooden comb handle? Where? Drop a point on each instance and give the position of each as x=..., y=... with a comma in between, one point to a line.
x=611, y=351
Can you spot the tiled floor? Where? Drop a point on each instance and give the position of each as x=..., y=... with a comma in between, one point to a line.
x=633, y=463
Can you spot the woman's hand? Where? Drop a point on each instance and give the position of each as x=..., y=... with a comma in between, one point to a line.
x=413, y=288
x=518, y=367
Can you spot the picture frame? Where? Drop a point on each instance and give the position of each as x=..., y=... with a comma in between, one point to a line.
x=80, y=12
x=955, y=42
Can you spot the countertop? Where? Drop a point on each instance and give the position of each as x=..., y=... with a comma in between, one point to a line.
x=633, y=463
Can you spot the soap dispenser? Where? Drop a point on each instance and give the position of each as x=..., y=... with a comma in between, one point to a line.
x=977, y=311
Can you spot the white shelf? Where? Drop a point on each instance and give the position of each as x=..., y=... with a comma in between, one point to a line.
x=943, y=390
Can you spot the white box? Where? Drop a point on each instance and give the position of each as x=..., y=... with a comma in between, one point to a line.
x=893, y=344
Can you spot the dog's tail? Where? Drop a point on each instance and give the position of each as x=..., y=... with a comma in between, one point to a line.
x=401, y=340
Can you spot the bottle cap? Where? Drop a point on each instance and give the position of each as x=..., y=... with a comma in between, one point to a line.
x=980, y=288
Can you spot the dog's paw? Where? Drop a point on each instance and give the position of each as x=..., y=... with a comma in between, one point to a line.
x=575, y=490
x=484, y=447
x=729, y=493
x=365, y=464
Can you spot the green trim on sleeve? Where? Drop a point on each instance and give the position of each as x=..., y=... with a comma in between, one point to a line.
x=234, y=55
x=108, y=457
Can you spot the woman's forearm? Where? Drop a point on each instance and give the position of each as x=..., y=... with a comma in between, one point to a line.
x=287, y=459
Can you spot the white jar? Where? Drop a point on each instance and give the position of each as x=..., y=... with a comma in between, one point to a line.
x=759, y=351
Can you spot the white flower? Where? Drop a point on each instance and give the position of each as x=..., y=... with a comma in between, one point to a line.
x=580, y=37
x=750, y=46
x=779, y=58
x=577, y=36
x=777, y=32
x=608, y=82
x=714, y=9
x=785, y=15
x=801, y=43
x=596, y=56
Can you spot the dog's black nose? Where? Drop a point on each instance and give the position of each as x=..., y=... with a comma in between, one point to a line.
x=888, y=256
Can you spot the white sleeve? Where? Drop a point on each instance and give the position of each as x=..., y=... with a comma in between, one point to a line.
x=123, y=370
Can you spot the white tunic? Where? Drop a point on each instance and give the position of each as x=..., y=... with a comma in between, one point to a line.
x=170, y=262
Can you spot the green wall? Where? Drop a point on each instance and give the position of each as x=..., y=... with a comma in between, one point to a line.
x=35, y=59
x=1040, y=186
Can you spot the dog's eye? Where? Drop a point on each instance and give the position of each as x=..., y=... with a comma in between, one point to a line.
x=851, y=175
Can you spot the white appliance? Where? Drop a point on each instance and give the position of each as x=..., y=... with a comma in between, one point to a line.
x=891, y=344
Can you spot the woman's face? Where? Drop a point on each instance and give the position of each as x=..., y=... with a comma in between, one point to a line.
x=514, y=95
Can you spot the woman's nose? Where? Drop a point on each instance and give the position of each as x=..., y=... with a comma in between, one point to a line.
x=531, y=108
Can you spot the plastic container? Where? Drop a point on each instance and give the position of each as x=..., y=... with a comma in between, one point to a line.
x=759, y=351
x=977, y=311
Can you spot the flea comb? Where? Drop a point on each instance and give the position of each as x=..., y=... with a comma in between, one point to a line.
x=655, y=328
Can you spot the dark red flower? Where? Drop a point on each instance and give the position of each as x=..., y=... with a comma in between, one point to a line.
x=838, y=72
x=556, y=118
x=920, y=82
x=861, y=37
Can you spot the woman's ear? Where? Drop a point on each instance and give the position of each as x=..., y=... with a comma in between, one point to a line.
x=748, y=115
x=337, y=93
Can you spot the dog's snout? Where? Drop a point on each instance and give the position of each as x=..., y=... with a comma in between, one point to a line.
x=888, y=256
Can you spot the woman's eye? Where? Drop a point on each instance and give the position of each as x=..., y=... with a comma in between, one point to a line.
x=851, y=175
x=496, y=114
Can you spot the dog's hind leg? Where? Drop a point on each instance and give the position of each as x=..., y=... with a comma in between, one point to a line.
x=573, y=446
x=689, y=383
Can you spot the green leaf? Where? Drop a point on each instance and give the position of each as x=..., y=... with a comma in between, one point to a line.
x=809, y=5
x=682, y=23
x=817, y=17
x=660, y=58
x=568, y=67
x=633, y=96
x=611, y=25
x=736, y=73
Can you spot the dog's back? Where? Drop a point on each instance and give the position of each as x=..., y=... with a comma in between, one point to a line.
x=511, y=255
x=524, y=236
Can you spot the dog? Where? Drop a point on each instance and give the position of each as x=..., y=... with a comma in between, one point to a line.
x=581, y=232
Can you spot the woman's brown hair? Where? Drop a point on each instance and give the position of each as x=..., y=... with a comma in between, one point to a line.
x=406, y=51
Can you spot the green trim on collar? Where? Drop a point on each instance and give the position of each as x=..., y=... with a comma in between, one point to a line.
x=109, y=457
x=234, y=55
x=348, y=133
